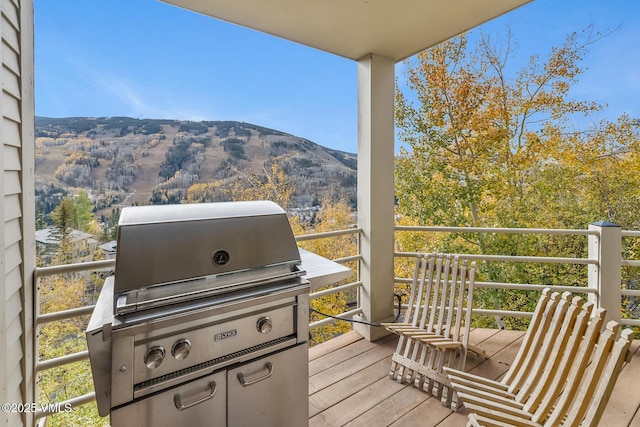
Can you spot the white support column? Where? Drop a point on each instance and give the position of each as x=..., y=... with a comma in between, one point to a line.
x=376, y=190
x=605, y=276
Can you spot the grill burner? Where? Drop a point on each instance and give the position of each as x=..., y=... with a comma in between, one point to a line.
x=208, y=302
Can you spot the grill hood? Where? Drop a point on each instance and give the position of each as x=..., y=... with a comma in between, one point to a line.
x=210, y=245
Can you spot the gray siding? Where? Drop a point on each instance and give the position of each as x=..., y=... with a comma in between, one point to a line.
x=17, y=212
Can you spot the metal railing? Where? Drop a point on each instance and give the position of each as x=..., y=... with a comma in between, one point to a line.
x=506, y=258
x=604, y=262
x=343, y=287
x=42, y=319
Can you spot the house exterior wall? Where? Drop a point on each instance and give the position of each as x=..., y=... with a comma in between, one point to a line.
x=17, y=215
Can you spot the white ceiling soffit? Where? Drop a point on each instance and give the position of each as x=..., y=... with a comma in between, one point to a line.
x=395, y=29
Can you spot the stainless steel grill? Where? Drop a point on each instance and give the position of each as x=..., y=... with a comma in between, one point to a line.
x=205, y=321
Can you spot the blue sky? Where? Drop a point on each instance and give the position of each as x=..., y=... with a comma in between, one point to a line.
x=147, y=59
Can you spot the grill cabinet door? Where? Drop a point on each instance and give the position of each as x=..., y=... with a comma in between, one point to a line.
x=272, y=391
x=197, y=403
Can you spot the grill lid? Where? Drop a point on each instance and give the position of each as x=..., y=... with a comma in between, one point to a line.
x=170, y=253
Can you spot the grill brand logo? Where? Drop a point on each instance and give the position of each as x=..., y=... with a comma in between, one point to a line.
x=225, y=335
x=220, y=257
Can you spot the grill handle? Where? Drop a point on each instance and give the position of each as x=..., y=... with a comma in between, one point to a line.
x=182, y=406
x=246, y=383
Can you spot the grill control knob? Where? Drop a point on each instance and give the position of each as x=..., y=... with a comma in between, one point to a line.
x=180, y=349
x=154, y=357
x=264, y=325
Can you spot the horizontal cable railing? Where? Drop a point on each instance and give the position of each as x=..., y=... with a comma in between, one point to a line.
x=488, y=230
x=529, y=259
x=351, y=286
x=631, y=263
x=54, y=270
x=347, y=315
x=635, y=293
x=325, y=234
x=515, y=258
x=42, y=319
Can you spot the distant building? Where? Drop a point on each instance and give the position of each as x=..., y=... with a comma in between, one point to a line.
x=109, y=249
x=47, y=243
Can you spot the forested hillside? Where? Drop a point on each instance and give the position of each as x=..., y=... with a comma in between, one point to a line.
x=126, y=161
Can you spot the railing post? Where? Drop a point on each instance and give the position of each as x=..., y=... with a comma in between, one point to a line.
x=605, y=276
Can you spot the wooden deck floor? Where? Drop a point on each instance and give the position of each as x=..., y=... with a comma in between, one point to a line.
x=349, y=384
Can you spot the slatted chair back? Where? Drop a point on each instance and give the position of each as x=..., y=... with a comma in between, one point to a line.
x=420, y=312
x=520, y=366
x=437, y=321
x=533, y=340
x=549, y=383
x=563, y=334
x=588, y=388
x=417, y=309
x=585, y=393
x=555, y=343
x=412, y=316
x=542, y=347
x=573, y=358
x=603, y=384
x=573, y=344
x=446, y=342
x=446, y=311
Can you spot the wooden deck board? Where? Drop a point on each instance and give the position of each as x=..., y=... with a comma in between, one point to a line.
x=390, y=409
x=332, y=345
x=349, y=384
x=502, y=349
x=343, y=368
x=344, y=354
x=357, y=404
x=429, y=413
x=339, y=391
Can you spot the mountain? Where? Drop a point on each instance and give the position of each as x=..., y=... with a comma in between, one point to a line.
x=125, y=161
